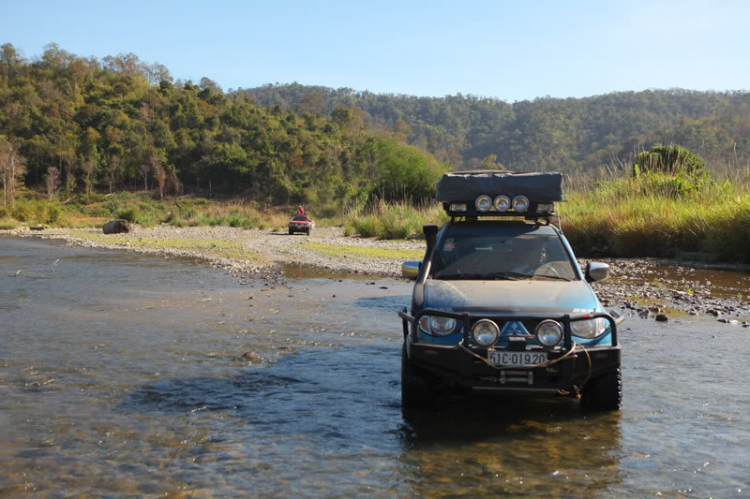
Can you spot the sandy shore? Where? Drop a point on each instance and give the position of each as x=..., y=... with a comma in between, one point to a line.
x=639, y=287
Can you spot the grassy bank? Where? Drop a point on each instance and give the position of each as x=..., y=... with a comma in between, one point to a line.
x=365, y=253
x=631, y=217
x=392, y=221
x=651, y=216
x=144, y=209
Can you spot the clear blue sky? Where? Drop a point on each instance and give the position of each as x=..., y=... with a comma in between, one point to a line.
x=512, y=50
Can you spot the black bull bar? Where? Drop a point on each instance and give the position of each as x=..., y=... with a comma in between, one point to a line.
x=468, y=319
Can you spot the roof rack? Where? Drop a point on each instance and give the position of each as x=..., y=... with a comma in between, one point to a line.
x=495, y=193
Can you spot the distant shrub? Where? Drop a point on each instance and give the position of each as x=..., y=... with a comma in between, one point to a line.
x=53, y=214
x=366, y=226
x=23, y=212
x=100, y=212
x=8, y=224
x=130, y=214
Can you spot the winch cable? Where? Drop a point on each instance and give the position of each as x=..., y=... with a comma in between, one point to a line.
x=542, y=364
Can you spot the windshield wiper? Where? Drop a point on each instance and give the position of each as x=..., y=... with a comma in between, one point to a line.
x=548, y=276
x=489, y=276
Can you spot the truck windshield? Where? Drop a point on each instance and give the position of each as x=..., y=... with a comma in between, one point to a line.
x=503, y=257
x=300, y=219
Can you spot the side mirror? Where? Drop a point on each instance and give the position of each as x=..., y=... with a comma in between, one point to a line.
x=410, y=270
x=596, y=271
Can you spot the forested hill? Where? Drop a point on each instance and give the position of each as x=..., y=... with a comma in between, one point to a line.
x=571, y=135
x=80, y=125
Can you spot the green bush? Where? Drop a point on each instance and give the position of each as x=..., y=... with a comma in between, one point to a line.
x=23, y=212
x=366, y=226
x=8, y=224
x=53, y=214
x=130, y=214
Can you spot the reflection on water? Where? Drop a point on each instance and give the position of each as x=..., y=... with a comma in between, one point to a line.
x=512, y=446
x=123, y=374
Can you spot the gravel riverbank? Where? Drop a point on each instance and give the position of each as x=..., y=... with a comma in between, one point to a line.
x=645, y=288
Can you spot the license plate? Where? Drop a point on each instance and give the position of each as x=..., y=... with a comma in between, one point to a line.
x=516, y=359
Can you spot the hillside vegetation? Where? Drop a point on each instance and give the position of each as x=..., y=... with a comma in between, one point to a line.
x=546, y=134
x=72, y=126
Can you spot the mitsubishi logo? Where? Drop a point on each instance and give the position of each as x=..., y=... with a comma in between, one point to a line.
x=514, y=329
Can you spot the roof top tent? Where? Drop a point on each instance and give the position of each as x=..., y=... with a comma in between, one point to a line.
x=500, y=193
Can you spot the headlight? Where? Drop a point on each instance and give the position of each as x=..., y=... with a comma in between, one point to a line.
x=549, y=333
x=485, y=332
x=438, y=326
x=520, y=203
x=502, y=203
x=590, y=328
x=483, y=203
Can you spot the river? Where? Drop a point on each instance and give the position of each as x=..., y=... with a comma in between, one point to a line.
x=123, y=374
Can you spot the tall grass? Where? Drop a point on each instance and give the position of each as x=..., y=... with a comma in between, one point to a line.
x=650, y=216
x=393, y=220
x=143, y=209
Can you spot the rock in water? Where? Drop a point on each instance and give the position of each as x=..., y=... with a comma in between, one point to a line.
x=116, y=227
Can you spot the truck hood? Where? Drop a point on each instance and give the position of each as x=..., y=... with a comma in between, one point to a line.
x=510, y=297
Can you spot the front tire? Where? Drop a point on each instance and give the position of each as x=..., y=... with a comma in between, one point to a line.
x=603, y=393
x=291, y=232
x=417, y=385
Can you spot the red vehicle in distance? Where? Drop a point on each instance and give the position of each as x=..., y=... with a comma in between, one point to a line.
x=301, y=223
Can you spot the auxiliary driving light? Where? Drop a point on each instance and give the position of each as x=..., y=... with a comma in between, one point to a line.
x=483, y=203
x=458, y=207
x=502, y=203
x=520, y=203
x=485, y=332
x=549, y=333
x=545, y=207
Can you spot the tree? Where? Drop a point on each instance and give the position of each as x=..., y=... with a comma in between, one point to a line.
x=52, y=182
x=313, y=103
x=671, y=160
x=88, y=166
x=112, y=169
x=11, y=171
x=161, y=179
x=491, y=163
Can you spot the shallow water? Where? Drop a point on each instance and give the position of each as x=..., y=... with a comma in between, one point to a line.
x=125, y=374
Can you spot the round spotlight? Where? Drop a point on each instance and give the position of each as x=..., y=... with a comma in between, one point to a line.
x=549, y=333
x=485, y=332
x=520, y=203
x=502, y=203
x=483, y=203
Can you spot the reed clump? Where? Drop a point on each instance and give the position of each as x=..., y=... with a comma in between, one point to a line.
x=659, y=215
x=392, y=220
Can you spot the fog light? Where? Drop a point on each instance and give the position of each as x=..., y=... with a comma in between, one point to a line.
x=549, y=333
x=458, y=207
x=502, y=203
x=485, y=332
x=520, y=203
x=483, y=203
